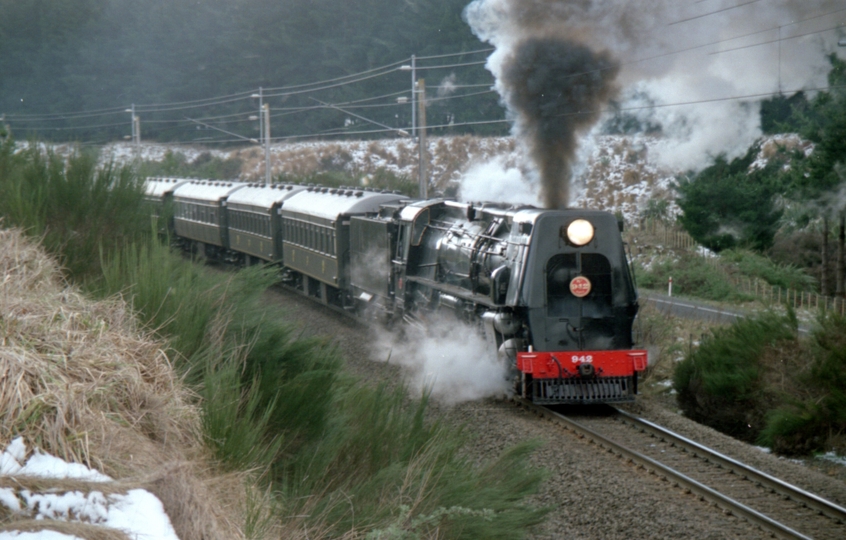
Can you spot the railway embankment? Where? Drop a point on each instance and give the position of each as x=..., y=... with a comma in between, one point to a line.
x=592, y=493
x=272, y=438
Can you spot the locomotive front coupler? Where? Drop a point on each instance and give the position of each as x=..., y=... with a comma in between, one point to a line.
x=587, y=371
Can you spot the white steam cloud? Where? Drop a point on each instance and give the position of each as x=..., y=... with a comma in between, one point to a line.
x=702, y=65
x=496, y=181
x=447, y=85
x=450, y=359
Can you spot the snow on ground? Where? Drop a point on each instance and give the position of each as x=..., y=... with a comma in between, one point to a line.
x=137, y=512
x=834, y=458
x=618, y=173
x=615, y=173
x=782, y=143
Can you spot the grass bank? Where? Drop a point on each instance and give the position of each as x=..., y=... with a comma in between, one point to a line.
x=718, y=277
x=328, y=457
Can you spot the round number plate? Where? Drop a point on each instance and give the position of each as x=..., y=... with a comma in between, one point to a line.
x=580, y=286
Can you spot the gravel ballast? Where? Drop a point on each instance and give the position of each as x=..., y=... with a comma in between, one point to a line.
x=592, y=494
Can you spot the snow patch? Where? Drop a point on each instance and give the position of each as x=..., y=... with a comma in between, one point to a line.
x=833, y=458
x=138, y=513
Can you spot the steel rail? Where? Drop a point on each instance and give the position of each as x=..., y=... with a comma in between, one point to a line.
x=690, y=485
x=814, y=502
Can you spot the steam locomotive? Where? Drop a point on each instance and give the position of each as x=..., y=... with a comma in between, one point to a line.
x=551, y=289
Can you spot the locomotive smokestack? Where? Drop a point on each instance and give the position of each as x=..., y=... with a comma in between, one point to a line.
x=556, y=89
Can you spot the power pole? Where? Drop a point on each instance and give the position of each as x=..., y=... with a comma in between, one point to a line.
x=266, y=143
x=413, y=93
x=841, y=241
x=137, y=123
x=824, y=276
x=423, y=158
x=261, y=113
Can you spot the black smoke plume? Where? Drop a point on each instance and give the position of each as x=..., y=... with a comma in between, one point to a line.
x=557, y=88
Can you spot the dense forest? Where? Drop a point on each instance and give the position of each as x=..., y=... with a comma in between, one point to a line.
x=791, y=207
x=104, y=55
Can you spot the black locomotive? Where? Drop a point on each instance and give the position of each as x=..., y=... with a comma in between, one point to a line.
x=552, y=289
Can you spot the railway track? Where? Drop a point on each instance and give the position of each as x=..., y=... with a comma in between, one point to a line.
x=776, y=507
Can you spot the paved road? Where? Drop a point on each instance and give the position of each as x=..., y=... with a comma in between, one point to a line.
x=695, y=309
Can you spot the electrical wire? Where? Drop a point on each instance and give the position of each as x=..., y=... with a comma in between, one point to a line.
x=326, y=87
x=778, y=40
x=714, y=12
x=386, y=66
x=452, y=65
x=349, y=79
x=454, y=54
x=711, y=100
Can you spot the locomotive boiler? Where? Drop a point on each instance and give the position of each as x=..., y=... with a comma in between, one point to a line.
x=551, y=289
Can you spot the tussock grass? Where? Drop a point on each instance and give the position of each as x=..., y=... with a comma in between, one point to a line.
x=378, y=179
x=306, y=161
x=83, y=381
x=203, y=166
x=233, y=397
x=338, y=454
x=76, y=208
x=76, y=373
x=70, y=529
x=668, y=339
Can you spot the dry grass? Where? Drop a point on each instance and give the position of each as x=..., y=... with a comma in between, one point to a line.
x=668, y=339
x=449, y=157
x=81, y=381
x=71, y=529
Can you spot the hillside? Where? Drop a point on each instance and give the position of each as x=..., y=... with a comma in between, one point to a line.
x=618, y=173
x=96, y=425
x=614, y=172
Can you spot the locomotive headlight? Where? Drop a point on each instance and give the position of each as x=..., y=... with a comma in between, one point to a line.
x=580, y=232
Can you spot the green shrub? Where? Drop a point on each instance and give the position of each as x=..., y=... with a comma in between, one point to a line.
x=380, y=179
x=813, y=419
x=720, y=383
x=692, y=276
x=205, y=165
x=752, y=265
x=342, y=456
